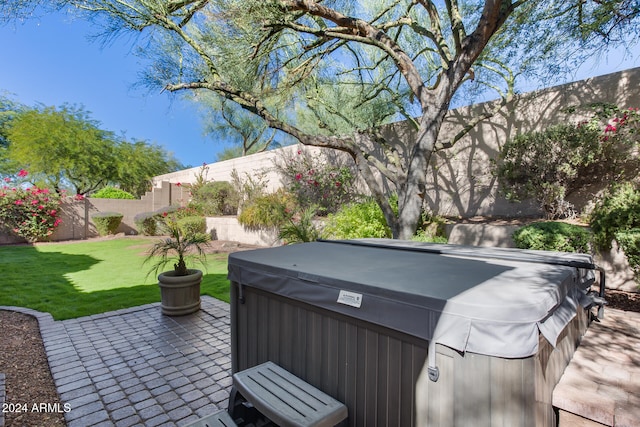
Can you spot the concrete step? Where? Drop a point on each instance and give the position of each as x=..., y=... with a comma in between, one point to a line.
x=601, y=385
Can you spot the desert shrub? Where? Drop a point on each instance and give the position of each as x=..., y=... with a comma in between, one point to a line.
x=192, y=225
x=553, y=236
x=107, y=222
x=431, y=229
x=214, y=199
x=112, y=193
x=547, y=165
x=617, y=216
x=629, y=241
x=618, y=210
x=551, y=165
x=268, y=211
x=314, y=181
x=249, y=187
x=357, y=220
x=179, y=212
x=146, y=223
x=424, y=236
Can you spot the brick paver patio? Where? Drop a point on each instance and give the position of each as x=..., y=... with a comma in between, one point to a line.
x=136, y=367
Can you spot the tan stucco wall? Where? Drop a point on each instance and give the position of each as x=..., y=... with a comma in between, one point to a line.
x=460, y=181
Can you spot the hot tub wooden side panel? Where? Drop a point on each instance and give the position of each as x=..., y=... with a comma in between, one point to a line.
x=551, y=362
x=371, y=369
x=480, y=390
x=381, y=374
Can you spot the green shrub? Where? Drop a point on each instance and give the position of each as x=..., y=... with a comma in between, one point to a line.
x=551, y=165
x=268, y=211
x=357, y=220
x=548, y=166
x=432, y=229
x=112, y=193
x=617, y=211
x=192, y=225
x=425, y=236
x=617, y=216
x=629, y=241
x=215, y=198
x=146, y=223
x=553, y=236
x=107, y=222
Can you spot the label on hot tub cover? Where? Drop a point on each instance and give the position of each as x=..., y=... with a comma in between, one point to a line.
x=350, y=298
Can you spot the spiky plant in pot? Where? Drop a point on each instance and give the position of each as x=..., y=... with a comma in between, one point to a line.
x=180, y=287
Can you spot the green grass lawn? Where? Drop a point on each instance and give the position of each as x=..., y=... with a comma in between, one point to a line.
x=71, y=280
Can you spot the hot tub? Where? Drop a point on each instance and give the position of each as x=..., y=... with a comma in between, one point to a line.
x=414, y=334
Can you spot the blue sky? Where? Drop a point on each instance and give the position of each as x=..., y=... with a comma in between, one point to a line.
x=51, y=60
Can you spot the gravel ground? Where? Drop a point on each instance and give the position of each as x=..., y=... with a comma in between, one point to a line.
x=28, y=378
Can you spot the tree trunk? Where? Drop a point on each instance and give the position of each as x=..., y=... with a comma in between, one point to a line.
x=412, y=191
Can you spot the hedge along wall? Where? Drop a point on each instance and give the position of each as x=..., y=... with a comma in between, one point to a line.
x=460, y=182
x=76, y=214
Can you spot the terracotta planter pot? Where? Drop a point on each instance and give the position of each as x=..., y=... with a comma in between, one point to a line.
x=180, y=295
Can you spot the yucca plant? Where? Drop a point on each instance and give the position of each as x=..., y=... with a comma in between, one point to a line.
x=179, y=247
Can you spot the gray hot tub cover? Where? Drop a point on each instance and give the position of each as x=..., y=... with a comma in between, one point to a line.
x=489, y=301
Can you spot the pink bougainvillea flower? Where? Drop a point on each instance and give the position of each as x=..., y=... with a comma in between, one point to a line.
x=298, y=176
x=57, y=222
x=78, y=197
x=178, y=184
x=19, y=202
x=7, y=179
x=53, y=212
x=610, y=128
x=338, y=184
x=22, y=173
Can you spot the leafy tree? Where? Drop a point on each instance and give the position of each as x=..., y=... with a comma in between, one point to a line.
x=64, y=146
x=330, y=73
x=248, y=133
x=8, y=110
x=138, y=162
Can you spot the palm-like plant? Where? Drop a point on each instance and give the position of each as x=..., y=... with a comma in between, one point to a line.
x=177, y=248
x=302, y=229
